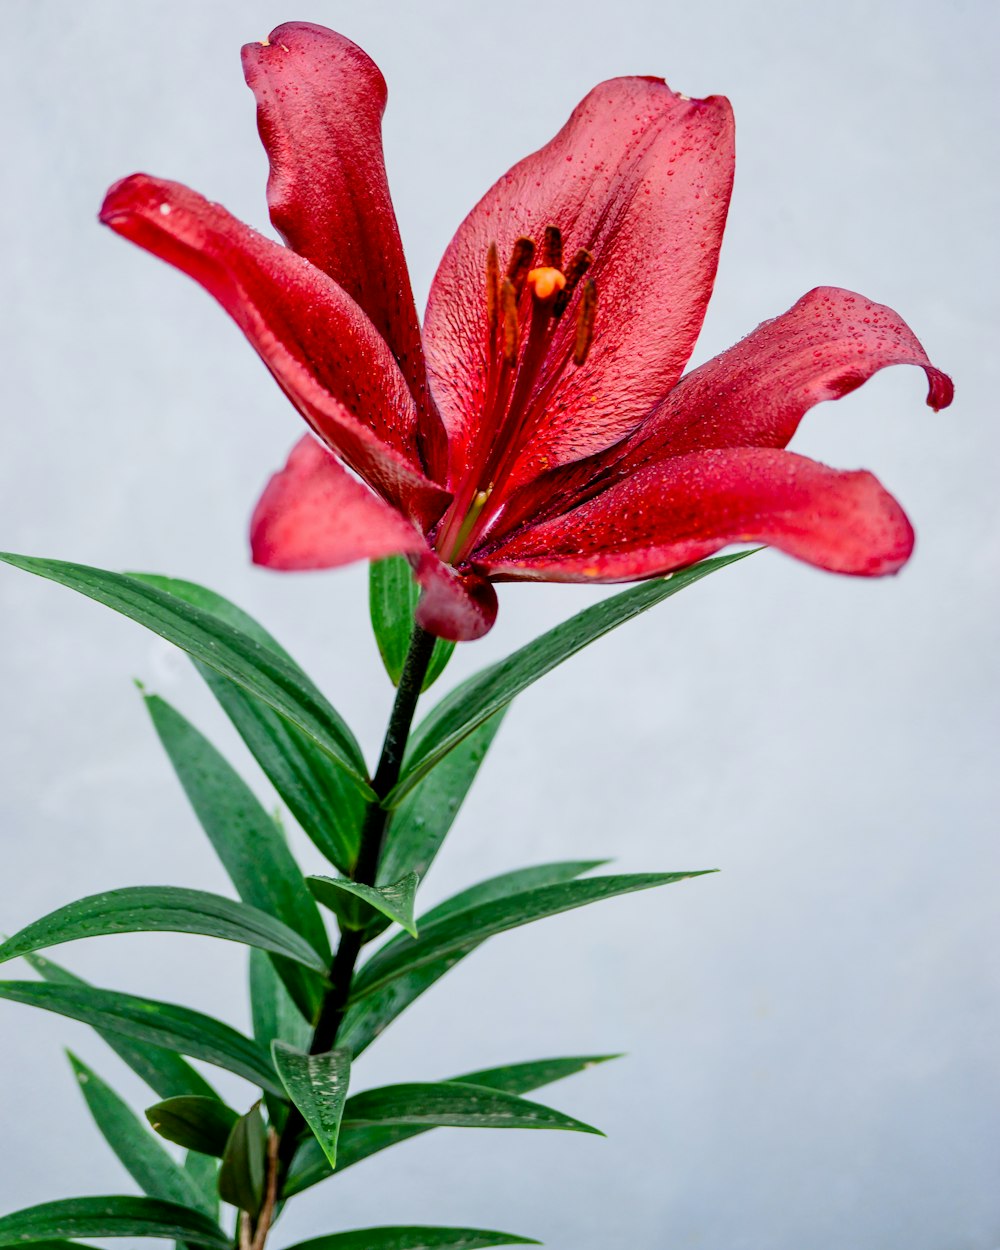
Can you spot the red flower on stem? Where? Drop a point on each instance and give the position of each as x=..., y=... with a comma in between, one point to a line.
x=540, y=427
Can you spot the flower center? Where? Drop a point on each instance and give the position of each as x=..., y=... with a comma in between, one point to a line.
x=525, y=358
x=545, y=282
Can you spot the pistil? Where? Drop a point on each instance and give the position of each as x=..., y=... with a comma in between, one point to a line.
x=519, y=340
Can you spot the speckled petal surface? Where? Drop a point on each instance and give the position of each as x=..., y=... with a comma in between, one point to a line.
x=682, y=509
x=640, y=176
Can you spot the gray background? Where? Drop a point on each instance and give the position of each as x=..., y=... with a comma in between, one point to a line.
x=811, y=1034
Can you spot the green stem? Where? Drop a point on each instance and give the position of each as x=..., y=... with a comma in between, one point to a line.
x=334, y=1006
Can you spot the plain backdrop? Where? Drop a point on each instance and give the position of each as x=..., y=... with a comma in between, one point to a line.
x=812, y=1034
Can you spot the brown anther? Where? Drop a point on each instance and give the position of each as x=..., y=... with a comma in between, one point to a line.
x=552, y=249
x=585, y=322
x=520, y=262
x=577, y=267
x=508, y=305
x=492, y=288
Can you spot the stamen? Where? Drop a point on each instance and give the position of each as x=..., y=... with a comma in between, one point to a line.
x=479, y=502
x=508, y=304
x=578, y=266
x=545, y=283
x=585, y=322
x=527, y=356
x=492, y=288
x=520, y=262
x=552, y=249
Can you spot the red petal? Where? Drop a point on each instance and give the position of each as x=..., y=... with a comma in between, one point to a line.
x=320, y=101
x=755, y=394
x=321, y=348
x=641, y=177
x=314, y=515
x=672, y=513
x=453, y=605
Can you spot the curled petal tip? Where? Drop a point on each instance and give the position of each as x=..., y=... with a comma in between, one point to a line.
x=131, y=196
x=457, y=606
x=940, y=390
x=113, y=205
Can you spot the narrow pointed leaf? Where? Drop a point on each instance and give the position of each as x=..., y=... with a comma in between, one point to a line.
x=454, y=1104
x=325, y=802
x=164, y=1071
x=114, y=1216
x=358, y=1142
x=162, y=909
x=200, y=1124
x=216, y=644
x=248, y=842
x=394, y=901
x=272, y=1011
x=478, y=698
x=317, y=1084
x=414, y=1237
x=511, y=883
x=392, y=600
x=421, y=822
x=244, y=1163
x=164, y=1024
x=203, y=1172
x=366, y=1019
x=463, y=930
x=275, y=1017
x=150, y=1166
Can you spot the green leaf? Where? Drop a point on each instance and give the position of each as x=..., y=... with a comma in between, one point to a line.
x=249, y=843
x=341, y=896
x=244, y=1163
x=392, y=600
x=275, y=1017
x=484, y=694
x=366, y=1019
x=358, y=1142
x=199, y=1124
x=165, y=1072
x=455, y=1104
x=420, y=823
x=414, y=1237
x=317, y=1084
x=460, y=932
x=149, y=1165
x=508, y=884
x=163, y=1024
x=322, y=798
x=274, y=1014
x=111, y=1217
x=203, y=1172
x=227, y=650
x=162, y=909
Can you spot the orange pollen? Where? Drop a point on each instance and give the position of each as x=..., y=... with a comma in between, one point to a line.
x=546, y=282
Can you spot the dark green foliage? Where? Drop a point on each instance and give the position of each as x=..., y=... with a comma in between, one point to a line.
x=164, y=1024
x=322, y=798
x=248, y=842
x=151, y=1167
x=481, y=696
x=199, y=1124
x=163, y=909
x=392, y=600
x=242, y=1173
x=110, y=1217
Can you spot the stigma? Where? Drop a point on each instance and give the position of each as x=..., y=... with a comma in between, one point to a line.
x=546, y=282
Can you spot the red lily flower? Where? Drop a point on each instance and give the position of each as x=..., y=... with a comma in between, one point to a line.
x=540, y=427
